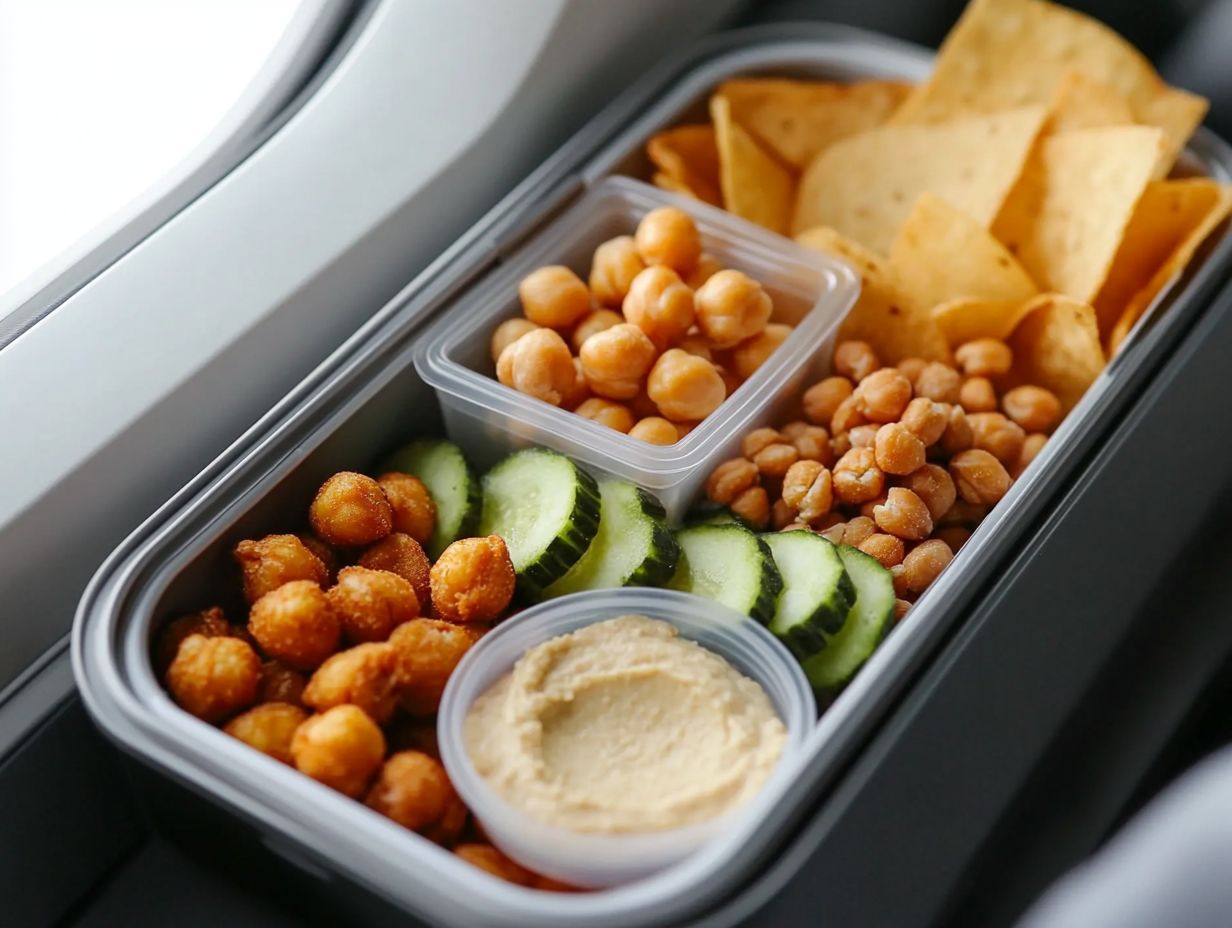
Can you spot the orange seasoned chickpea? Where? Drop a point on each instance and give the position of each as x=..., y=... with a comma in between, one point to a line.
x=774, y=459
x=402, y=555
x=269, y=728
x=371, y=603
x=732, y=307
x=669, y=236
x=904, y=514
x=607, y=412
x=888, y=549
x=857, y=478
x=208, y=622
x=758, y=439
x=489, y=859
x=655, y=430
x=592, y=324
x=811, y=441
x=428, y=650
x=869, y=507
x=1033, y=408
x=846, y=417
x=855, y=360
x=997, y=435
x=900, y=582
x=753, y=506
x=612, y=268
x=707, y=266
x=1032, y=445
x=731, y=383
x=858, y=530
x=911, y=368
x=933, y=485
x=350, y=510
x=363, y=676
x=685, y=387
x=977, y=395
x=730, y=479
x=925, y=562
x=781, y=515
x=696, y=344
x=984, y=357
x=863, y=436
x=883, y=395
x=938, y=382
x=898, y=450
x=579, y=392
x=274, y=560
x=509, y=332
x=955, y=536
x=341, y=747
x=808, y=491
x=296, y=624
x=979, y=477
x=616, y=359
x=753, y=352
x=926, y=419
x=539, y=364
x=957, y=435
x=412, y=505
x=661, y=305
x=279, y=683
x=473, y=580
x=414, y=790
x=214, y=677
x=554, y=296
x=822, y=399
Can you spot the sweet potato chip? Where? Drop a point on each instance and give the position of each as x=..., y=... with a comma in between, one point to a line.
x=794, y=120
x=941, y=253
x=689, y=158
x=883, y=315
x=754, y=185
x=1081, y=102
x=1005, y=53
x=965, y=319
x=864, y=186
x=1067, y=215
x=1056, y=346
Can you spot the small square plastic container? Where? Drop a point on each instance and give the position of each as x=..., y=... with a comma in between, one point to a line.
x=811, y=291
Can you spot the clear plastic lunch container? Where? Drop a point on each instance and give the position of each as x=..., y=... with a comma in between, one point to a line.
x=609, y=860
x=810, y=291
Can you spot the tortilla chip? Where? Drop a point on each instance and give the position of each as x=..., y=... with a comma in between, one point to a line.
x=1067, y=215
x=689, y=157
x=865, y=186
x=1081, y=102
x=1013, y=52
x=965, y=319
x=941, y=253
x=794, y=120
x=1175, y=263
x=883, y=315
x=755, y=186
x=1057, y=346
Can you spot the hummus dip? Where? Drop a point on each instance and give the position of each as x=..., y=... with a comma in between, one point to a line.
x=623, y=726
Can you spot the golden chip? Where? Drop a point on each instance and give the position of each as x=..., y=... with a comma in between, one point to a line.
x=965, y=319
x=1067, y=215
x=865, y=186
x=688, y=157
x=1081, y=102
x=794, y=120
x=1056, y=346
x=1013, y=52
x=754, y=185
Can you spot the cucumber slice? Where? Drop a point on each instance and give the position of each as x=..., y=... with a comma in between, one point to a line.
x=634, y=546
x=546, y=508
x=817, y=593
x=452, y=484
x=869, y=619
x=708, y=513
x=729, y=564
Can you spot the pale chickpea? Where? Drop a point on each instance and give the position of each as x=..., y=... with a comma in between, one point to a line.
x=855, y=360
x=612, y=268
x=1032, y=445
x=883, y=395
x=661, y=305
x=932, y=484
x=847, y=416
x=977, y=395
x=616, y=359
x=696, y=343
x=863, y=436
x=731, y=307
x=642, y=405
x=897, y=449
x=538, y=364
x=979, y=477
x=685, y=387
x=904, y=514
x=926, y=419
x=683, y=428
x=554, y=296
x=758, y=439
x=607, y=412
x=811, y=441
x=731, y=383
x=901, y=608
x=911, y=367
x=925, y=563
x=833, y=533
x=955, y=536
x=822, y=399
x=669, y=236
x=509, y=332
x=938, y=382
x=773, y=460
x=1033, y=408
x=707, y=266
x=857, y=478
x=858, y=530
x=808, y=490
x=984, y=357
x=753, y=506
x=730, y=479
x=840, y=444
x=592, y=324
x=753, y=352
x=781, y=516
x=655, y=430
x=869, y=507
x=888, y=549
x=997, y=435
x=957, y=436
x=579, y=393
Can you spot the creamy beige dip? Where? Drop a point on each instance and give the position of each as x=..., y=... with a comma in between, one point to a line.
x=623, y=726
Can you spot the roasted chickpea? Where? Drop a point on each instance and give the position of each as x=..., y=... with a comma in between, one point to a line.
x=507, y=333
x=730, y=479
x=773, y=460
x=979, y=477
x=539, y=364
x=939, y=382
x=350, y=510
x=615, y=360
x=363, y=676
x=911, y=368
x=977, y=395
x=933, y=485
x=984, y=357
x=592, y=324
x=957, y=435
x=811, y=441
x=857, y=478
x=279, y=683
x=758, y=439
x=753, y=352
x=731, y=383
x=858, y=530
x=685, y=387
x=926, y=419
x=900, y=582
x=554, y=296
x=208, y=622
x=371, y=603
x=402, y=555
x=904, y=514
x=846, y=417
x=707, y=266
x=808, y=490
x=269, y=728
x=833, y=533
x=753, y=506
x=883, y=395
x=655, y=430
x=607, y=412
x=863, y=436
x=414, y=734
x=901, y=608
x=855, y=360
x=414, y=790
x=781, y=515
x=669, y=236
x=696, y=344
x=214, y=677
x=612, y=268
x=822, y=399
x=274, y=560
x=732, y=307
x=955, y=536
x=296, y=624
x=324, y=553
x=428, y=651
x=412, y=505
x=579, y=392
x=341, y=747
x=997, y=435
x=1032, y=408
x=473, y=580
x=925, y=562
x=489, y=859
x=887, y=549
x=1032, y=445
x=965, y=514
x=661, y=305
x=840, y=444
x=898, y=450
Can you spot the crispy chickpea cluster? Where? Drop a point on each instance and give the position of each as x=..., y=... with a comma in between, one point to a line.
x=901, y=462
x=636, y=347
